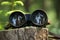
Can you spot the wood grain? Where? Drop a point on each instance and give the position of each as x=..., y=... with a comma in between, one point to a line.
x=28, y=33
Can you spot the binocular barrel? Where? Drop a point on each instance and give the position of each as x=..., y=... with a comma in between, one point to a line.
x=39, y=18
x=17, y=19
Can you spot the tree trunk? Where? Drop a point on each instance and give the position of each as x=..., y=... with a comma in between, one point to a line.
x=27, y=5
x=57, y=8
x=30, y=33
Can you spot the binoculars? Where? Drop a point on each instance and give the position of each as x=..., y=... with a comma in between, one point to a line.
x=38, y=18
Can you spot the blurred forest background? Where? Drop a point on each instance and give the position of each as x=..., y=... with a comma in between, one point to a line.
x=52, y=8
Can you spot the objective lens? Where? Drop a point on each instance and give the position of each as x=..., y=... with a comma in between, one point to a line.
x=39, y=17
x=17, y=19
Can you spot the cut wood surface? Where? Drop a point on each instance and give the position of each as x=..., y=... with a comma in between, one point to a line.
x=28, y=33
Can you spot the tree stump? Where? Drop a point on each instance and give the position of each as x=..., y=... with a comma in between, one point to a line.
x=28, y=33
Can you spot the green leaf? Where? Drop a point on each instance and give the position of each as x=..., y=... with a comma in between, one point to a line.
x=19, y=2
x=9, y=12
x=5, y=3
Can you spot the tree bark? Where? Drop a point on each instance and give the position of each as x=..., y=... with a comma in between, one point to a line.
x=28, y=33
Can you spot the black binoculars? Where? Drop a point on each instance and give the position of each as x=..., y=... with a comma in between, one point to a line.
x=37, y=18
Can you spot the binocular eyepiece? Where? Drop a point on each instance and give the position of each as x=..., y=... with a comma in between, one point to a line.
x=37, y=18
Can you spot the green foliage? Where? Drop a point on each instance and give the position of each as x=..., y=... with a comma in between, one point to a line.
x=6, y=3
x=5, y=11
x=18, y=3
